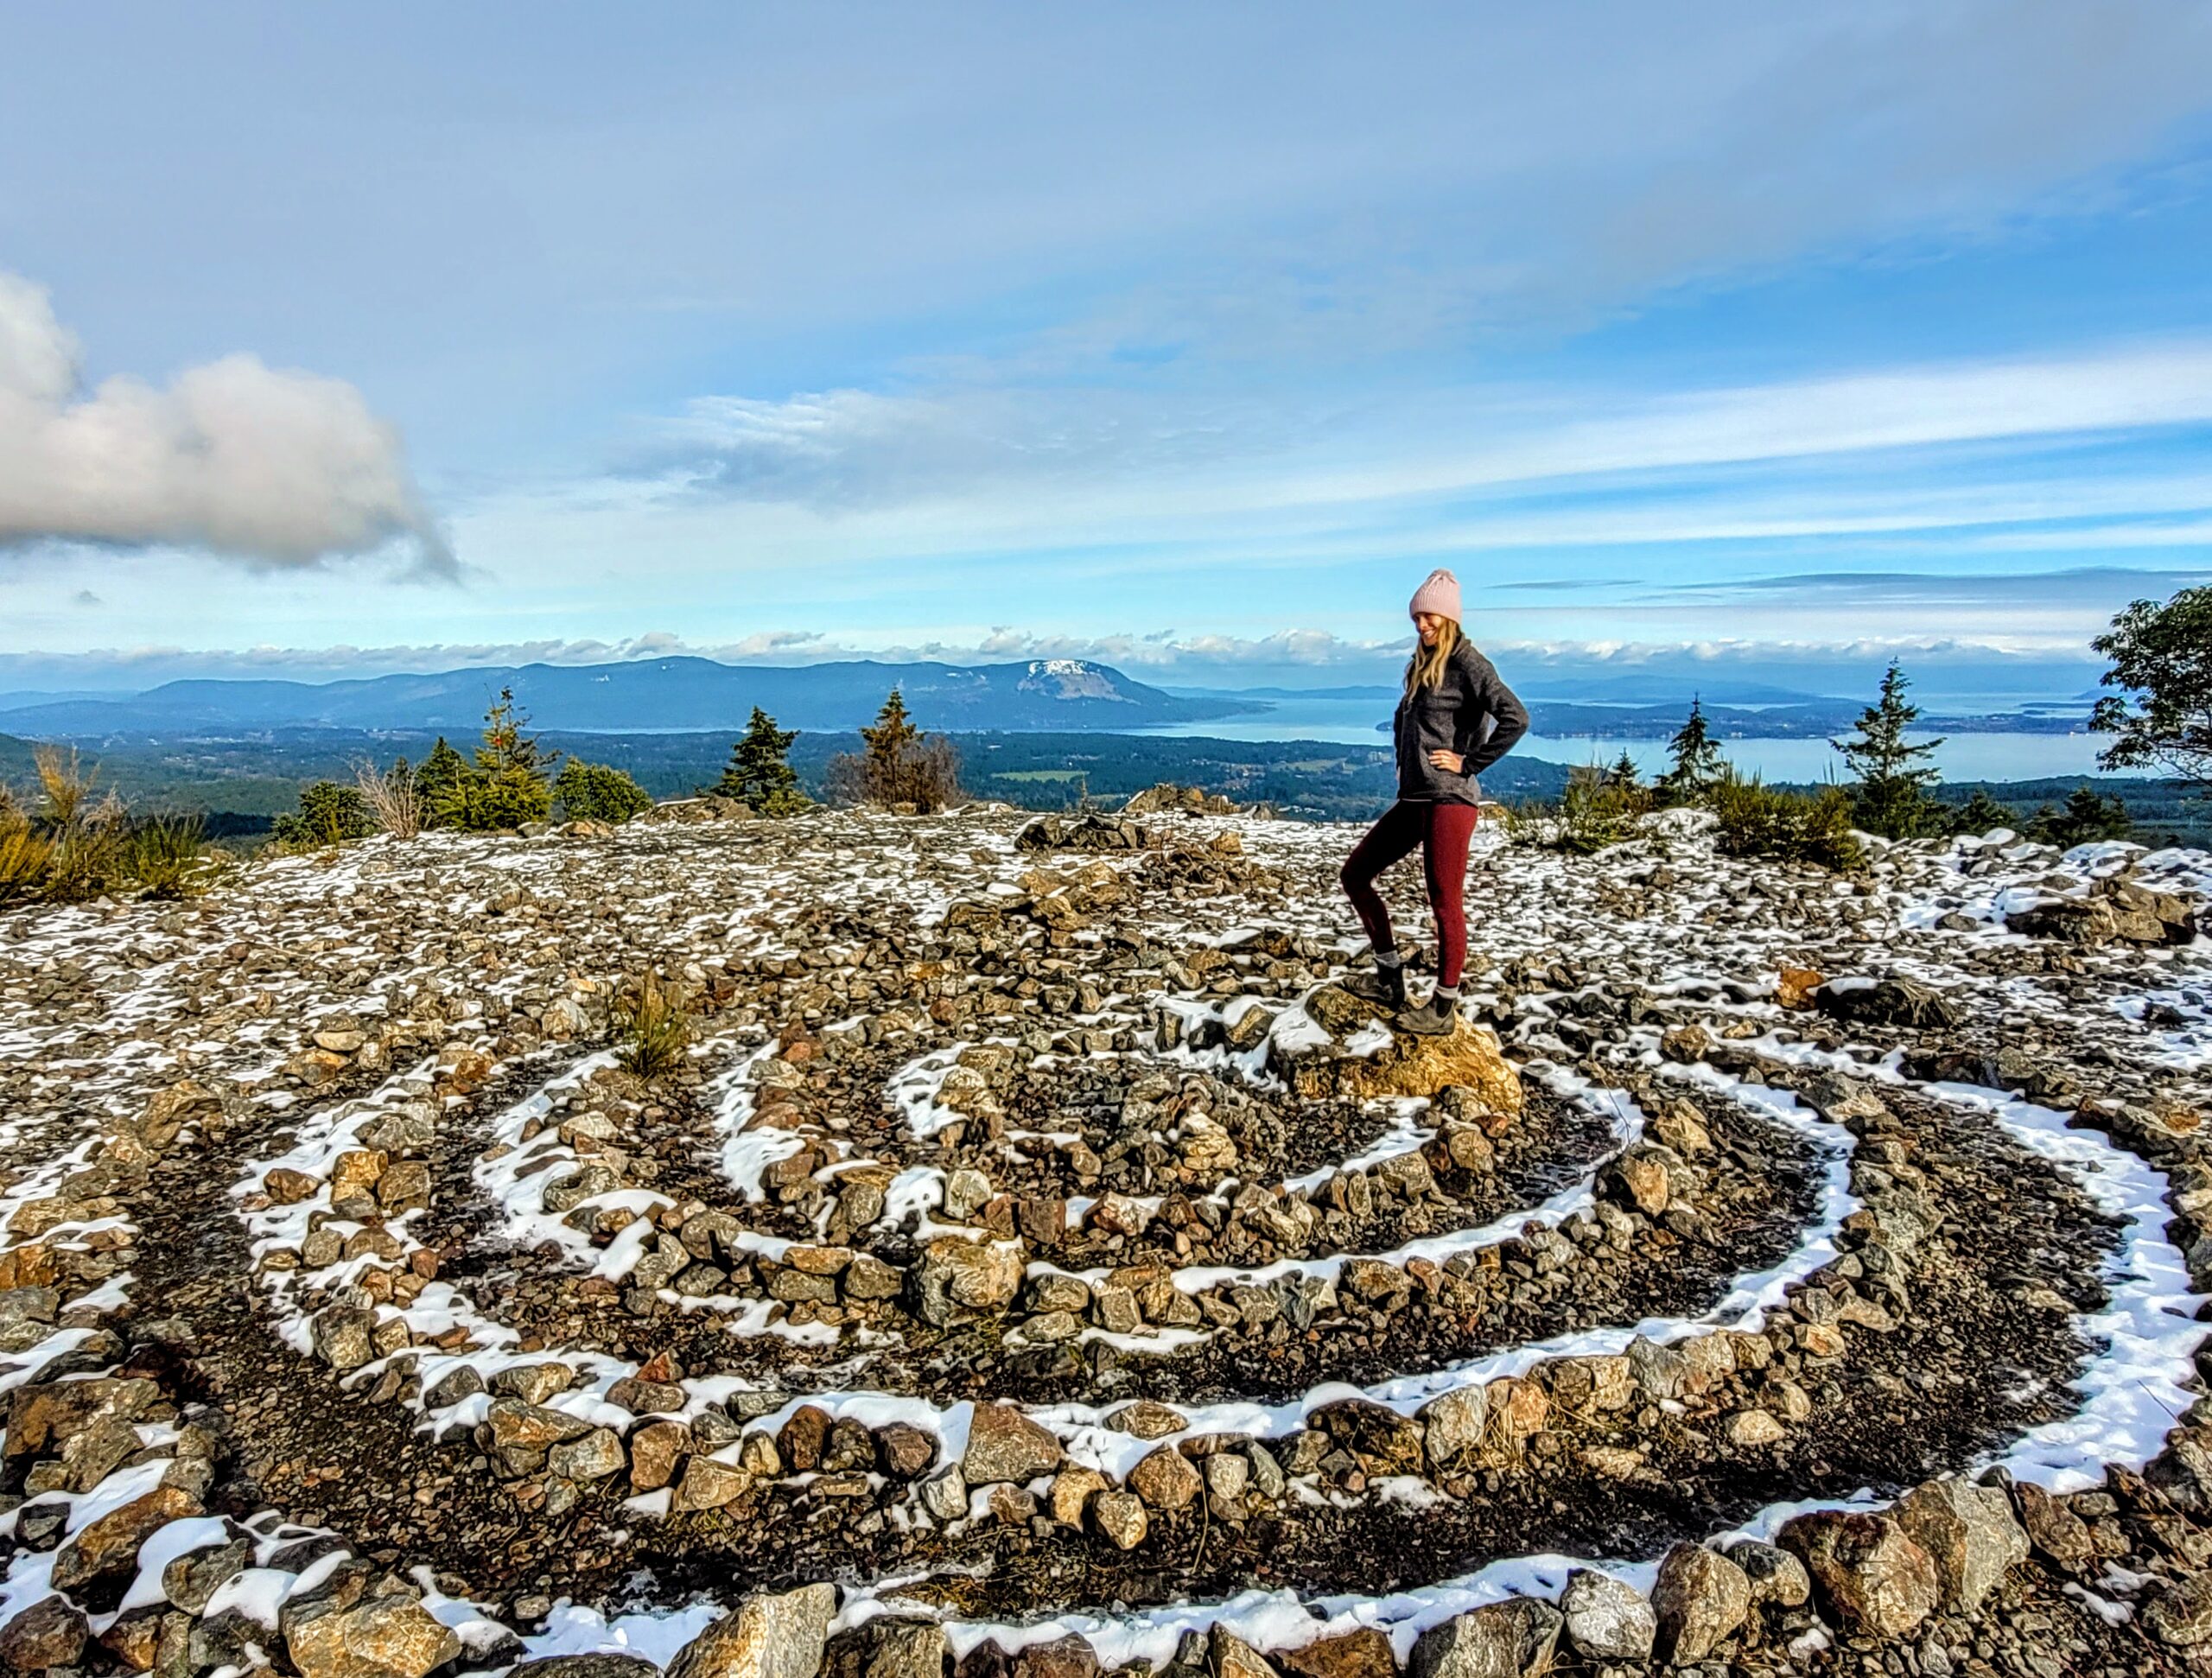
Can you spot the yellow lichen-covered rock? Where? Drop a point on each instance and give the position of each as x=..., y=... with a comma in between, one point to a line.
x=1468, y=1055
x=1795, y=986
x=182, y=1102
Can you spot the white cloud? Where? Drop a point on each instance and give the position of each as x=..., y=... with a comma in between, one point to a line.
x=270, y=468
x=1055, y=457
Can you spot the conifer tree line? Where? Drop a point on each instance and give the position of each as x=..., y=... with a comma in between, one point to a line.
x=2160, y=716
x=60, y=843
x=1892, y=775
x=507, y=782
x=899, y=767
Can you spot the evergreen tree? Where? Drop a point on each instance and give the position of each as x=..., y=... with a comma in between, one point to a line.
x=1982, y=814
x=1888, y=794
x=903, y=767
x=507, y=750
x=513, y=786
x=1697, y=760
x=1624, y=772
x=2086, y=819
x=507, y=784
x=597, y=792
x=895, y=733
x=437, y=783
x=329, y=814
x=758, y=774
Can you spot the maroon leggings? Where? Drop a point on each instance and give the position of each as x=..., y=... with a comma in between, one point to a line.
x=1442, y=831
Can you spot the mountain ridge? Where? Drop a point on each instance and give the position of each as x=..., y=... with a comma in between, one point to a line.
x=676, y=693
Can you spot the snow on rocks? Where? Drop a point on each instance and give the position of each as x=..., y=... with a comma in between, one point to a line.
x=1726, y=1162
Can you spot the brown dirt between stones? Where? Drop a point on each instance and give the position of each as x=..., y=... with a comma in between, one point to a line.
x=323, y=1455
x=1556, y=1144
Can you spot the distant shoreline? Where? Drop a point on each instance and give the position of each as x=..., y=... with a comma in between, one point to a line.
x=247, y=780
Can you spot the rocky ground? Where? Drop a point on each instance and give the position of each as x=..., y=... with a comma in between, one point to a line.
x=1031, y=1259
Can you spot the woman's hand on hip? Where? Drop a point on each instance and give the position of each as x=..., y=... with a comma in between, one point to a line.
x=1446, y=760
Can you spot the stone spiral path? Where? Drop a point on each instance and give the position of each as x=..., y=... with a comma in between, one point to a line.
x=1040, y=1248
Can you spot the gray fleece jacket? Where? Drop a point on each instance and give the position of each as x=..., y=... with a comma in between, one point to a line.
x=1472, y=713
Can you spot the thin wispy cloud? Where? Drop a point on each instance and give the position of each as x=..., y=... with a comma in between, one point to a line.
x=855, y=451
x=2094, y=586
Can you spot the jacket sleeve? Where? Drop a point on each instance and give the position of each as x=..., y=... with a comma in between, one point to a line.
x=1510, y=717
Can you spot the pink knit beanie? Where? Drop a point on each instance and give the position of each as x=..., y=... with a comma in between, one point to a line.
x=1440, y=595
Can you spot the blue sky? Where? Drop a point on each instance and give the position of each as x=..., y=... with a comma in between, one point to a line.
x=1190, y=338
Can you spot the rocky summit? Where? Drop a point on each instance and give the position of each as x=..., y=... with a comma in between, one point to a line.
x=888, y=1245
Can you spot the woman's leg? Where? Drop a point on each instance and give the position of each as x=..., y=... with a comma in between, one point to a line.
x=1389, y=840
x=1444, y=857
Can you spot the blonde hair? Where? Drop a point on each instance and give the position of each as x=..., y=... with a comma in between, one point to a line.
x=1425, y=668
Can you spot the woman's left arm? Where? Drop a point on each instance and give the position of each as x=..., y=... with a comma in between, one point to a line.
x=1492, y=697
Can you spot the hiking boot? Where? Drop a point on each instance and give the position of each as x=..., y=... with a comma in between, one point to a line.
x=1433, y=1018
x=1385, y=986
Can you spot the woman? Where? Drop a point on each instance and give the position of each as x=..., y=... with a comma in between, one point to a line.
x=1455, y=720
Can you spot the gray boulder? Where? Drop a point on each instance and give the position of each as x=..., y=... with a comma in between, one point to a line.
x=772, y=1636
x=1005, y=1445
x=1969, y=1534
x=1504, y=1639
x=955, y=1281
x=1606, y=1620
x=1701, y=1598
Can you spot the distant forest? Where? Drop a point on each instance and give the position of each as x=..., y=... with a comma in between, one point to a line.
x=242, y=785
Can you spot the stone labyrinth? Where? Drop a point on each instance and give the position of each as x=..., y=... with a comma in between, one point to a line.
x=1037, y=1263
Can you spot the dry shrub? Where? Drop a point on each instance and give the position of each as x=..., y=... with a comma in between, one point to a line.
x=394, y=801
x=1598, y=810
x=80, y=864
x=88, y=854
x=67, y=785
x=1595, y=810
x=76, y=848
x=652, y=1027
x=24, y=857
